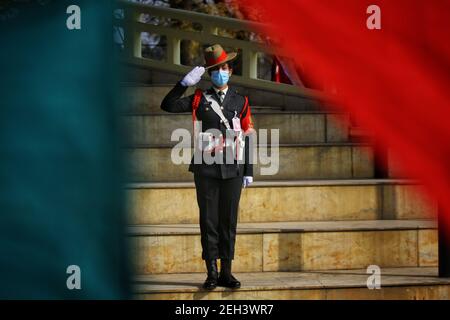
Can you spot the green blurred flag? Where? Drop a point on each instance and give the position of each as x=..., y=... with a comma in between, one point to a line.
x=61, y=198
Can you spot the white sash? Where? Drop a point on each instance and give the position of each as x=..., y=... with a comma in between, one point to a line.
x=239, y=141
x=215, y=106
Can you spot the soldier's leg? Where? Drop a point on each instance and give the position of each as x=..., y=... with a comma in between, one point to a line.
x=208, y=202
x=230, y=194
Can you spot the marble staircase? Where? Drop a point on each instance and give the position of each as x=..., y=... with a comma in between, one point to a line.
x=307, y=232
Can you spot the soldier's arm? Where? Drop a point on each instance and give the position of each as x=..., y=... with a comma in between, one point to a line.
x=174, y=102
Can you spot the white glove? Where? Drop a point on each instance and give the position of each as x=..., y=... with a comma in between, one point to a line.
x=193, y=77
x=247, y=181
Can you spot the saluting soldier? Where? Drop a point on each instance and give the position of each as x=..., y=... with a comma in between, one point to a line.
x=218, y=184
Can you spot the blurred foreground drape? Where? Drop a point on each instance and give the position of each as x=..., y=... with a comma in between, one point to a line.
x=61, y=200
x=394, y=81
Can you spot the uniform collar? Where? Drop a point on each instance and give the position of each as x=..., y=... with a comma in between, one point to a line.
x=228, y=96
x=217, y=90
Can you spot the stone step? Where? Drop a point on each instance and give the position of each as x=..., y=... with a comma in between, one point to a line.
x=395, y=168
x=416, y=283
x=294, y=127
x=144, y=98
x=291, y=246
x=147, y=98
x=277, y=201
x=294, y=162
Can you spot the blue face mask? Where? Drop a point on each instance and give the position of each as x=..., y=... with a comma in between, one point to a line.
x=220, y=77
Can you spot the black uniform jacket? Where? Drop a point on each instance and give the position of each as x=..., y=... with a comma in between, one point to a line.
x=174, y=102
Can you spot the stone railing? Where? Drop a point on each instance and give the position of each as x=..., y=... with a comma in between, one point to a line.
x=249, y=50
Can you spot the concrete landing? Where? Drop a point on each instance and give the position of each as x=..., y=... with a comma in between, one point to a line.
x=396, y=283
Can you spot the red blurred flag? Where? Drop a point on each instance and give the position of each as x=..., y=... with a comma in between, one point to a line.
x=393, y=80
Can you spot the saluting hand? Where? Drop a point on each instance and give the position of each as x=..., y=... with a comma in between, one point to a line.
x=193, y=77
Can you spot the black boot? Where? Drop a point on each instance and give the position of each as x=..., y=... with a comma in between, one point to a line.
x=226, y=279
x=211, y=281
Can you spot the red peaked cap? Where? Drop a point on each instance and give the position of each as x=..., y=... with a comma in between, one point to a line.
x=215, y=55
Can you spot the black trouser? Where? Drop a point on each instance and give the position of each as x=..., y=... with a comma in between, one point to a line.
x=218, y=201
